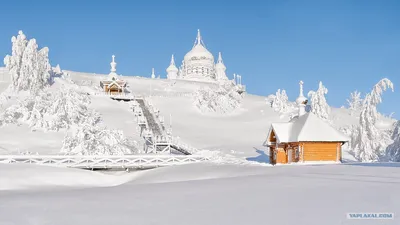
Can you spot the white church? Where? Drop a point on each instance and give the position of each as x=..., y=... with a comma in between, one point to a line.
x=198, y=65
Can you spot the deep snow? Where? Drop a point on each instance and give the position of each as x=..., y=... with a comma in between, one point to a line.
x=239, y=188
x=217, y=194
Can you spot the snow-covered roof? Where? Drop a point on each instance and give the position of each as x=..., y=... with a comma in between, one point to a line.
x=118, y=83
x=281, y=131
x=307, y=128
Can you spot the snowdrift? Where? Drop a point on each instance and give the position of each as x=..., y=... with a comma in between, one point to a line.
x=35, y=177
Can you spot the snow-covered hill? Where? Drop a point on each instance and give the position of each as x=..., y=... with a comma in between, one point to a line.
x=240, y=133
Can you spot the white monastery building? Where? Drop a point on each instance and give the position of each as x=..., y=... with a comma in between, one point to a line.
x=199, y=65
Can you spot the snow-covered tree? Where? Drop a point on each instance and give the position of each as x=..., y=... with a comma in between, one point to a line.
x=13, y=62
x=52, y=110
x=94, y=140
x=355, y=102
x=319, y=106
x=270, y=99
x=29, y=67
x=4, y=97
x=280, y=102
x=370, y=142
x=393, y=150
x=223, y=100
x=57, y=69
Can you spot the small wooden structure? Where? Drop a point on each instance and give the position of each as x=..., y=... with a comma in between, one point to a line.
x=306, y=138
x=113, y=85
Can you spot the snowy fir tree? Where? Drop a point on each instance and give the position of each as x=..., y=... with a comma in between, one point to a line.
x=319, y=106
x=369, y=142
x=355, y=102
x=223, y=100
x=52, y=110
x=29, y=67
x=393, y=150
x=94, y=140
x=57, y=69
x=270, y=99
x=13, y=62
x=280, y=102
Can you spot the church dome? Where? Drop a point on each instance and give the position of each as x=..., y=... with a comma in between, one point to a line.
x=198, y=63
x=199, y=52
x=301, y=100
x=172, y=68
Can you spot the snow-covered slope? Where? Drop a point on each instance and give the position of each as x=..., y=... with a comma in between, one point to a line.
x=240, y=133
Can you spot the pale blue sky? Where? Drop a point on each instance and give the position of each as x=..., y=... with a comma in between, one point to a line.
x=346, y=44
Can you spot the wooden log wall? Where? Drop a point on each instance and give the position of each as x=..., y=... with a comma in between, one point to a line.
x=321, y=151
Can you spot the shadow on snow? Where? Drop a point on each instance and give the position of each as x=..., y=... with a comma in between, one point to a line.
x=261, y=158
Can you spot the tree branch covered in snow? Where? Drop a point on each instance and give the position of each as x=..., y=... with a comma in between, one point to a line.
x=29, y=66
x=95, y=140
x=355, y=102
x=52, y=110
x=319, y=106
x=4, y=97
x=280, y=101
x=393, y=150
x=270, y=99
x=223, y=100
x=369, y=142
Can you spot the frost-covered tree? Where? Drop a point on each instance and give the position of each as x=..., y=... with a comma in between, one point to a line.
x=351, y=131
x=29, y=67
x=52, y=110
x=393, y=150
x=319, y=106
x=223, y=100
x=270, y=99
x=4, y=97
x=355, y=102
x=13, y=62
x=280, y=102
x=57, y=69
x=94, y=140
x=369, y=143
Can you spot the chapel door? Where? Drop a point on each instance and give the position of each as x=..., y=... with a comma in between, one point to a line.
x=290, y=155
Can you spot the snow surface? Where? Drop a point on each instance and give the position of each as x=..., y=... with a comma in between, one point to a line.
x=35, y=177
x=237, y=187
x=208, y=194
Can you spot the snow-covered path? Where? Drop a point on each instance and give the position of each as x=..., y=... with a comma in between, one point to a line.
x=191, y=194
